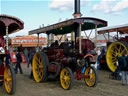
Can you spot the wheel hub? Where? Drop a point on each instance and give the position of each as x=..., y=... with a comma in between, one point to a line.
x=8, y=79
x=66, y=78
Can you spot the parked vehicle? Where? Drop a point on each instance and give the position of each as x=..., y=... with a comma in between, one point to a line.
x=64, y=61
x=8, y=25
x=116, y=48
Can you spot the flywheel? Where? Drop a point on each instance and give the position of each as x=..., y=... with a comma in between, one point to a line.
x=115, y=50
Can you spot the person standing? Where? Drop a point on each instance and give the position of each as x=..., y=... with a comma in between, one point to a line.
x=123, y=66
x=18, y=65
x=26, y=54
x=30, y=62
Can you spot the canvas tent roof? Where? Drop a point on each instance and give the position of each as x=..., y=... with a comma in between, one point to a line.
x=123, y=29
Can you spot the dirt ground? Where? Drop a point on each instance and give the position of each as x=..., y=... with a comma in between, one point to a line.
x=28, y=87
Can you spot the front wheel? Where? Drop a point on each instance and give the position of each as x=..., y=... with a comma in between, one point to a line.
x=66, y=78
x=9, y=79
x=39, y=67
x=92, y=76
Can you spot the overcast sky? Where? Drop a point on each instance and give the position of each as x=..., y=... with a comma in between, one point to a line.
x=34, y=13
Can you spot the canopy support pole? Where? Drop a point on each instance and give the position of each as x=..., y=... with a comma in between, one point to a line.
x=108, y=37
x=7, y=38
x=117, y=35
x=105, y=37
x=48, y=40
x=38, y=42
x=72, y=36
x=96, y=37
x=80, y=50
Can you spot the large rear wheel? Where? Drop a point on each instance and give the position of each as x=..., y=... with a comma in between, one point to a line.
x=115, y=50
x=9, y=79
x=39, y=66
x=92, y=76
x=66, y=78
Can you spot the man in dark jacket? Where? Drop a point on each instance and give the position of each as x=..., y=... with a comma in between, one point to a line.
x=18, y=65
x=123, y=66
x=30, y=62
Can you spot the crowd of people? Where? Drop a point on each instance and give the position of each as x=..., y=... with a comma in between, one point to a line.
x=62, y=45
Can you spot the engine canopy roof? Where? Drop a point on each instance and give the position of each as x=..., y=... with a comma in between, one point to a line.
x=14, y=24
x=68, y=26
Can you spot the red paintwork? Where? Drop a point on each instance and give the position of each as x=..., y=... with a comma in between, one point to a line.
x=2, y=41
x=88, y=55
x=65, y=60
x=80, y=75
x=86, y=45
x=55, y=54
x=2, y=70
x=91, y=56
x=102, y=61
x=52, y=68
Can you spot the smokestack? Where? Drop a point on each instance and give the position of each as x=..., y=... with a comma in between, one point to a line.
x=77, y=7
x=77, y=26
x=77, y=13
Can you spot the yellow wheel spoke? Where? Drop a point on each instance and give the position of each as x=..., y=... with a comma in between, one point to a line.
x=41, y=67
x=119, y=48
x=36, y=59
x=116, y=48
x=114, y=54
x=122, y=51
x=114, y=59
x=40, y=61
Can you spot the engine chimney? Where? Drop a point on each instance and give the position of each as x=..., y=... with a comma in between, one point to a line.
x=77, y=13
x=77, y=26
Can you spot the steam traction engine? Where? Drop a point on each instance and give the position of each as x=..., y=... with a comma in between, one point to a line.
x=67, y=62
x=8, y=25
x=117, y=47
